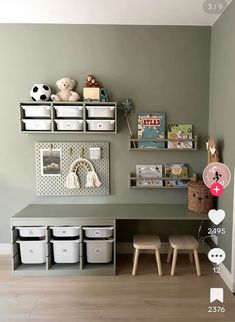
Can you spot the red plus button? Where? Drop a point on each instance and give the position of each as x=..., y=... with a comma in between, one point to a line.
x=216, y=189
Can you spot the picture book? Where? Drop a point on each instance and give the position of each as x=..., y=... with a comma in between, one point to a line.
x=178, y=171
x=180, y=131
x=151, y=126
x=149, y=171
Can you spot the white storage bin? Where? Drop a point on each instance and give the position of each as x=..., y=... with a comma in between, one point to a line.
x=65, y=231
x=69, y=111
x=69, y=125
x=32, y=231
x=100, y=111
x=98, y=232
x=36, y=110
x=99, y=251
x=101, y=125
x=37, y=125
x=66, y=251
x=32, y=252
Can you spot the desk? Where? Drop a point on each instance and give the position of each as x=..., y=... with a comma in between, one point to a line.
x=85, y=215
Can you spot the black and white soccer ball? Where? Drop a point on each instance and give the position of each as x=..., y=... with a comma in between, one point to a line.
x=40, y=92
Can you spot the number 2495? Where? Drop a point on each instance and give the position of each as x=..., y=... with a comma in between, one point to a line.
x=217, y=231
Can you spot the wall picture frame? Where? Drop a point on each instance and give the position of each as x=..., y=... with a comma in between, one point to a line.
x=50, y=162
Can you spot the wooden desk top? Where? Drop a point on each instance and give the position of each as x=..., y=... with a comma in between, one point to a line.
x=109, y=211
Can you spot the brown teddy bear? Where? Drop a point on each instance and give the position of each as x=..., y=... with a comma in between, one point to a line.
x=91, y=81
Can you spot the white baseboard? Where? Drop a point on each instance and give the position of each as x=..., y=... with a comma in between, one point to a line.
x=227, y=277
x=5, y=249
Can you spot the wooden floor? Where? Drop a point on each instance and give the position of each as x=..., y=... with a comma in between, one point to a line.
x=145, y=297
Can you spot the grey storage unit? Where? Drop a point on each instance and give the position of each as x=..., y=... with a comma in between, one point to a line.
x=80, y=117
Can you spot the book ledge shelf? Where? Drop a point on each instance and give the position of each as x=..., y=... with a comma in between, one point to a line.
x=133, y=182
x=133, y=144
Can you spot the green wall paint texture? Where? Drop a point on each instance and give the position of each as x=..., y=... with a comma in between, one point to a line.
x=161, y=68
x=222, y=110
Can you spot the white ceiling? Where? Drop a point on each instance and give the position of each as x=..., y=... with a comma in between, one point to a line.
x=132, y=12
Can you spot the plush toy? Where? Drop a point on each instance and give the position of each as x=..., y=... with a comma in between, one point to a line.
x=91, y=82
x=65, y=94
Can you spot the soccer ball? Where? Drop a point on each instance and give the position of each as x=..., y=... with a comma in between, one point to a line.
x=40, y=92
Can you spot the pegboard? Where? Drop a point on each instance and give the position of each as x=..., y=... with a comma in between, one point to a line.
x=70, y=151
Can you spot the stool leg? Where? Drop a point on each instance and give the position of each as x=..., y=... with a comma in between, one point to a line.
x=135, y=261
x=174, y=262
x=197, y=263
x=169, y=255
x=158, y=259
x=191, y=257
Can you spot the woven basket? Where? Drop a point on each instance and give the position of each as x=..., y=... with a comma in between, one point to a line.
x=200, y=199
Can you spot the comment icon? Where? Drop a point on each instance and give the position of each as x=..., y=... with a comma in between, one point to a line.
x=216, y=255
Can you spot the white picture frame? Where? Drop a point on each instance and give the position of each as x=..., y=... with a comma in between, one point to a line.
x=50, y=162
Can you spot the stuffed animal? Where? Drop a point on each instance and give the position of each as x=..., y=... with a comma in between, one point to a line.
x=65, y=94
x=91, y=81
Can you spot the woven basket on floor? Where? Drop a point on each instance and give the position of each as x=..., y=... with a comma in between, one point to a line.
x=200, y=199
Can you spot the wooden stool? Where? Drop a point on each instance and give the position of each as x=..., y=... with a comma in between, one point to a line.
x=187, y=242
x=147, y=242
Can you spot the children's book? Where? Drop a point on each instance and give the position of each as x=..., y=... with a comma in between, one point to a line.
x=151, y=126
x=180, y=131
x=177, y=171
x=149, y=171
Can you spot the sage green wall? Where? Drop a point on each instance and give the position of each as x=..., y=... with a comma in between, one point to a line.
x=161, y=68
x=222, y=109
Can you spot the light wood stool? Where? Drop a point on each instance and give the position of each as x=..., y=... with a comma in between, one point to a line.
x=147, y=242
x=184, y=242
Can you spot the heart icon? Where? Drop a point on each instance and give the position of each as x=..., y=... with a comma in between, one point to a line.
x=216, y=216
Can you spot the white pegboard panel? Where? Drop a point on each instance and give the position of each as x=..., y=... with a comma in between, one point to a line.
x=70, y=151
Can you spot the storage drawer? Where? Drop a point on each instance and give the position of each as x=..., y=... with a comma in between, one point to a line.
x=98, y=232
x=32, y=231
x=66, y=251
x=101, y=111
x=32, y=252
x=69, y=111
x=101, y=125
x=99, y=251
x=63, y=231
x=37, y=110
x=69, y=125
x=37, y=125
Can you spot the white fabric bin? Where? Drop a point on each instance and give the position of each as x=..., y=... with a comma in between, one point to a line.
x=99, y=251
x=69, y=125
x=98, y=232
x=32, y=231
x=32, y=252
x=66, y=251
x=69, y=111
x=101, y=125
x=100, y=111
x=37, y=125
x=36, y=110
x=65, y=231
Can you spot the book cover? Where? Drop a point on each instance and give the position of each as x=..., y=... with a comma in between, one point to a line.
x=180, y=131
x=178, y=171
x=151, y=126
x=149, y=171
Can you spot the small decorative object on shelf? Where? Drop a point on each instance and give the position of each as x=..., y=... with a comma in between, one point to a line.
x=212, y=151
x=128, y=107
x=92, y=90
x=151, y=126
x=200, y=199
x=66, y=94
x=40, y=92
x=134, y=142
x=180, y=131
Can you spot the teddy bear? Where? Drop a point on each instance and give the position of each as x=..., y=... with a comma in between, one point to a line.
x=65, y=94
x=91, y=81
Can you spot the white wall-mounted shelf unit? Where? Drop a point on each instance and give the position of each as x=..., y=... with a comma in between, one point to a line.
x=68, y=117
